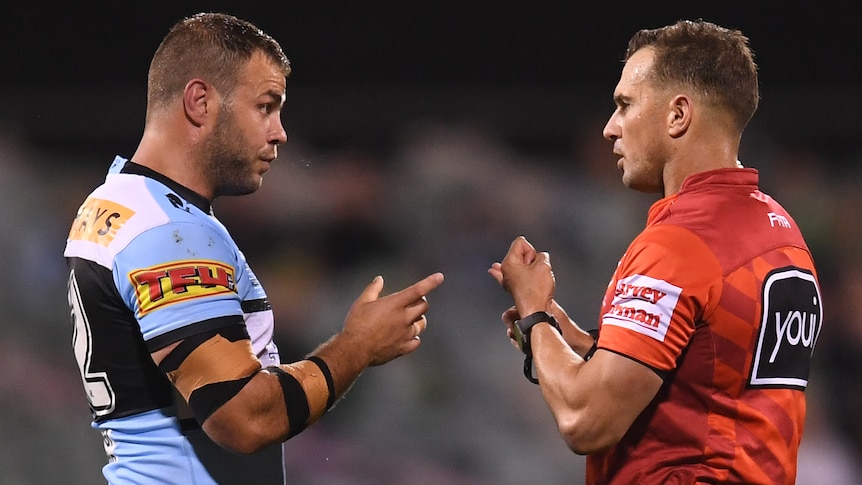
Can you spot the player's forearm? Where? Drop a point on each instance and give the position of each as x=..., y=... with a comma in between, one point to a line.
x=594, y=403
x=278, y=403
x=254, y=419
x=578, y=339
x=580, y=422
x=346, y=359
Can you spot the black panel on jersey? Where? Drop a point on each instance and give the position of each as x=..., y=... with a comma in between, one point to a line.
x=117, y=346
x=253, y=306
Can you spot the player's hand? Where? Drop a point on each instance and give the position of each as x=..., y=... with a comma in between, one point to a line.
x=526, y=275
x=509, y=317
x=389, y=327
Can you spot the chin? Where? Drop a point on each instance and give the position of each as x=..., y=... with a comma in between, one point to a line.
x=240, y=189
x=637, y=185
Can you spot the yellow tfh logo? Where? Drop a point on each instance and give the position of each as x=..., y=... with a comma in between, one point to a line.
x=179, y=281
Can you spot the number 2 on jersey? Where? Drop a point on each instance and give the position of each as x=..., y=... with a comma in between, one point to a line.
x=96, y=384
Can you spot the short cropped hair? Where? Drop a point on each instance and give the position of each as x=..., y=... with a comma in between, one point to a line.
x=717, y=62
x=209, y=46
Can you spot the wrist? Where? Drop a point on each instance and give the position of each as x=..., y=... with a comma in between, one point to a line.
x=522, y=329
x=524, y=326
x=531, y=306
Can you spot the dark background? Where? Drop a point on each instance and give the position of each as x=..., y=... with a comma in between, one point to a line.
x=74, y=77
x=524, y=43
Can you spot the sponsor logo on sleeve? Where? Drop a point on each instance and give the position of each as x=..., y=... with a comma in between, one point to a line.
x=162, y=285
x=643, y=304
x=789, y=328
x=98, y=221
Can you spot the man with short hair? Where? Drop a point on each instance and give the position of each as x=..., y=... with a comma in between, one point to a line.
x=173, y=332
x=698, y=369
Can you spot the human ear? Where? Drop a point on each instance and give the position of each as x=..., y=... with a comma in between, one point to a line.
x=679, y=115
x=197, y=99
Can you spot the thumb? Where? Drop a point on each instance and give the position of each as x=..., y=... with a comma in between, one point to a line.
x=372, y=291
x=525, y=250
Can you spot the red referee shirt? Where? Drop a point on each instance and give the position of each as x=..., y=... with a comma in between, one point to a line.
x=720, y=296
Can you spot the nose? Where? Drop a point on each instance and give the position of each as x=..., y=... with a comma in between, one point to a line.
x=278, y=136
x=611, y=130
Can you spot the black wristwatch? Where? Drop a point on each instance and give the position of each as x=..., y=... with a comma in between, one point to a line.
x=524, y=326
x=521, y=331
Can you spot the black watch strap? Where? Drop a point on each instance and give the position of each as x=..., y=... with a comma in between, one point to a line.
x=595, y=335
x=522, y=335
x=526, y=324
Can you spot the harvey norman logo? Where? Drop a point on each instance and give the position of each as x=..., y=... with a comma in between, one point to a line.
x=643, y=304
x=178, y=281
x=789, y=327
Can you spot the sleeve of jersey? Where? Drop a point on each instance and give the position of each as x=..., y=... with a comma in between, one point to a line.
x=176, y=275
x=666, y=282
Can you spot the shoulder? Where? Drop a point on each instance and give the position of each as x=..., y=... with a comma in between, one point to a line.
x=670, y=245
x=131, y=210
x=674, y=262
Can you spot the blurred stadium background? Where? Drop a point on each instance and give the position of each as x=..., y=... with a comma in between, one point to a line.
x=423, y=137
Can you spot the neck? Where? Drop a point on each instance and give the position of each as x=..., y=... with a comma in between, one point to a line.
x=173, y=158
x=700, y=158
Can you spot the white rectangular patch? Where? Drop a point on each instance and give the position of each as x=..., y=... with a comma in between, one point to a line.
x=643, y=304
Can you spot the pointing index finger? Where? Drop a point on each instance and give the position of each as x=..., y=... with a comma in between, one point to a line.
x=421, y=288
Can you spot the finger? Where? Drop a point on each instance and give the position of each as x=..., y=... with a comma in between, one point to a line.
x=415, y=313
x=416, y=309
x=421, y=324
x=372, y=291
x=417, y=291
x=510, y=315
x=496, y=272
x=422, y=301
x=512, y=339
x=427, y=284
x=411, y=345
x=514, y=343
x=419, y=327
x=544, y=257
x=525, y=251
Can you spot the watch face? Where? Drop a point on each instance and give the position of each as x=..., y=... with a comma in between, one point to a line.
x=519, y=336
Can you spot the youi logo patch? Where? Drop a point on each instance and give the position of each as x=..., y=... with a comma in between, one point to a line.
x=789, y=328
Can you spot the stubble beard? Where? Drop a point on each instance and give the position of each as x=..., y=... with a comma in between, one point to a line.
x=229, y=170
x=642, y=176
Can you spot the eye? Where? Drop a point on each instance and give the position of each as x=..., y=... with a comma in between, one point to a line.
x=621, y=103
x=622, y=106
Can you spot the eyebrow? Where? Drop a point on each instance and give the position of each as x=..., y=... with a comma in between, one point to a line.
x=621, y=98
x=279, y=96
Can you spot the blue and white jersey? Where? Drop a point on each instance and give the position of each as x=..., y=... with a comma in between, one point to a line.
x=150, y=265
